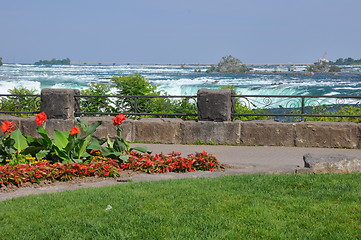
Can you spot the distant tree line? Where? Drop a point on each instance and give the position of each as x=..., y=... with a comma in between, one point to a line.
x=346, y=61
x=54, y=62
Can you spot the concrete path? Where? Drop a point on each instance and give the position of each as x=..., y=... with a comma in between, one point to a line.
x=242, y=159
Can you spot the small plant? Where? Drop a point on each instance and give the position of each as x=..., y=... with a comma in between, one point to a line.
x=12, y=142
x=200, y=142
x=172, y=162
x=66, y=146
x=117, y=148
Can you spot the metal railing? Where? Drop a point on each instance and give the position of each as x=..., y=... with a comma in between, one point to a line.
x=247, y=107
x=297, y=107
x=19, y=104
x=137, y=105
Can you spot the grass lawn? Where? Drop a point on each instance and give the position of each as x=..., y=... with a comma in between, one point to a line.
x=325, y=206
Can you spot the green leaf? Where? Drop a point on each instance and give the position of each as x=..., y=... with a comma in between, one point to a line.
x=124, y=157
x=92, y=128
x=109, y=142
x=61, y=139
x=77, y=160
x=42, y=154
x=32, y=150
x=62, y=154
x=42, y=132
x=30, y=139
x=20, y=140
x=119, y=131
x=83, y=125
x=119, y=146
x=106, y=151
x=83, y=146
x=126, y=144
x=94, y=145
x=140, y=149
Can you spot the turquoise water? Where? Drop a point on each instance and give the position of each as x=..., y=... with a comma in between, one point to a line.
x=179, y=80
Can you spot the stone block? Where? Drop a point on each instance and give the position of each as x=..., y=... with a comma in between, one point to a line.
x=211, y=132
x=108, y=129
x=327, y=134
x=59, y=103
x=28, y=126
x=215, y=104
x=267, y=133
x=158, y=130
x=332, y=163
x=16, y=120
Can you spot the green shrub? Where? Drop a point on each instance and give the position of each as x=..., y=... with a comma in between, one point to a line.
x=21, y=103
x=134, y=85
x=325, y=109
x=241, y=108
x=97, y=104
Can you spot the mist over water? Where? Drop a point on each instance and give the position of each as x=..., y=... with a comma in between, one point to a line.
x=183, y=80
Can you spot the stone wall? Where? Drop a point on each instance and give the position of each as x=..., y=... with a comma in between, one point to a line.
x=214, y=126
x=246, y=133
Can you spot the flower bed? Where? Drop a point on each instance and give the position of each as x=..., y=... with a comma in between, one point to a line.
x=37, y=171
x=76, y=153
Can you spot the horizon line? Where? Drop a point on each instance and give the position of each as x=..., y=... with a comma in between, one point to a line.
x=196, y=64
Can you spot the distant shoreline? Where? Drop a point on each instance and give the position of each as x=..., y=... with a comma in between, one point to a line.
x=184, y=64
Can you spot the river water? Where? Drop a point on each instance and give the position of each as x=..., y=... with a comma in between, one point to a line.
x=186, y=80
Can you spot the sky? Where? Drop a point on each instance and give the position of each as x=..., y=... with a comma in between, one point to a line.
x=174, y=31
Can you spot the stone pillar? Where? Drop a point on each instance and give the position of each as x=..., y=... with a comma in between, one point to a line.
x=215, y=104
x=59, y=103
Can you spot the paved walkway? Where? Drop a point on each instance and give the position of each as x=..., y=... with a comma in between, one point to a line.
x=243, y=159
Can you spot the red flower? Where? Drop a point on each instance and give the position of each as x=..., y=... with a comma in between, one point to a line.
x=7, y=127
x=74, y=131
x=118, y=119
x=40, y=118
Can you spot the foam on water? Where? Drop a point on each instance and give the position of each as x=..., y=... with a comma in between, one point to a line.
x=183, y=80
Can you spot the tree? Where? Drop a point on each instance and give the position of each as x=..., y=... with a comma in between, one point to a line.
x=229, y=64
x=54, y=61
x=322, y=66
x=346, y=61
x=133, y=85
x=1, y=61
